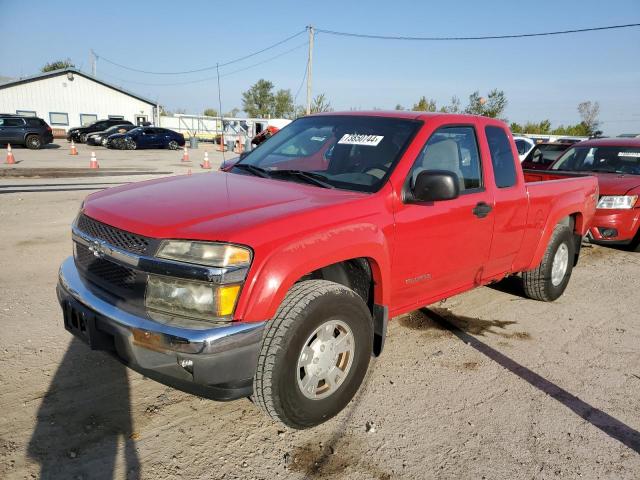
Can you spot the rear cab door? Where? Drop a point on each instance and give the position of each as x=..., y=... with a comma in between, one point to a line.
x=511, y=204
x=442, y=247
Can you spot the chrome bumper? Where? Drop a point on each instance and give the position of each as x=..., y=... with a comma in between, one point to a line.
x=220, y=360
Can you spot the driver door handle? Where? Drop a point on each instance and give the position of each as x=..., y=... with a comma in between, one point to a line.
x=481, y=209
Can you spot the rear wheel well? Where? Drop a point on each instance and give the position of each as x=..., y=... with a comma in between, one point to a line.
x=574, y=221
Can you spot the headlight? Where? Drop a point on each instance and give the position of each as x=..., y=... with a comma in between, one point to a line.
x=205, y=253
x=617, y=201
x=187, y=298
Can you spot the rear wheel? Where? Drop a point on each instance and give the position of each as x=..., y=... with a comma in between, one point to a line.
x=315, y=354
x=33, y=142
x=550, y=279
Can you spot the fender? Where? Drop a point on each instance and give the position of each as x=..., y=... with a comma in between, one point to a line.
x=576, y=205
x=272, y=278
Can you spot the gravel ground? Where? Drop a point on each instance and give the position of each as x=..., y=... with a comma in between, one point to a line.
x=484, y=385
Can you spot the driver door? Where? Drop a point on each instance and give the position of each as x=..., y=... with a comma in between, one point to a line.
x=442, y=247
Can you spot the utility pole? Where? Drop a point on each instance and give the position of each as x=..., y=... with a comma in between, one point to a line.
x=309, y=69
x=94, y=61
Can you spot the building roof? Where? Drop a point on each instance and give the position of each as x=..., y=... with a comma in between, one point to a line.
x=64, y=71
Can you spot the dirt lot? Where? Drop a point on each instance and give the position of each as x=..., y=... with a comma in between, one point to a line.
x=484, y=385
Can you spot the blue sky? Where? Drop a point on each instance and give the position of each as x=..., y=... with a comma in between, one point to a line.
x=542, y=77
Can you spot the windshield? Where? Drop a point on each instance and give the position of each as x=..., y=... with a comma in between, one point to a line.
x=349, y=152
x=601, y=159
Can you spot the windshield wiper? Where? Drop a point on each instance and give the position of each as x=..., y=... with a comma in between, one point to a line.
x=309, y=177
x=257, y=171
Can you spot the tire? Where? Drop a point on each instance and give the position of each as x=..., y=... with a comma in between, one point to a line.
x=130, y=145
x=173, y=145
x=279, y=383
x=33, y=142
x=544, y=283
x=83, y=138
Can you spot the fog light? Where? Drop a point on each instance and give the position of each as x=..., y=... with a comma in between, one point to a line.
x=608, y=232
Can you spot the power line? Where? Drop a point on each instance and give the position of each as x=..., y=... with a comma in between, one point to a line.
x=213, y=67
x=188, y=82
x=488, y=37
x=301, y=83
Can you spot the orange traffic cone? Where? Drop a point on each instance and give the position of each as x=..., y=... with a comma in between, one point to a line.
x=74, y=150
x=221, y=145
x=185, y=154
x=189, y=172
x=10, y=159
x=238, y=146
x=94, y=161
x=206, y=165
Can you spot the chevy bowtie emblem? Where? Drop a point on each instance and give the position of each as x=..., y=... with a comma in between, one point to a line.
x=98, y=248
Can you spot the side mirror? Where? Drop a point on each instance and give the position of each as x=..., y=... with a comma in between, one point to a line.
x=433, y=185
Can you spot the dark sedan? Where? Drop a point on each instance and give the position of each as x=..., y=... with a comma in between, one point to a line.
x=147, y=137
x=100, y=138
x=79, y=134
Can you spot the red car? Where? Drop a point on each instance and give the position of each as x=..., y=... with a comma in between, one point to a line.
x=277, y=277
x=616, y=163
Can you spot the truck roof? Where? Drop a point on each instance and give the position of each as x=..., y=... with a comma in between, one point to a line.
x=410, y=115
x=611, y=142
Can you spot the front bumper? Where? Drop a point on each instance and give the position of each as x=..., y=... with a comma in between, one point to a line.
x=217, y=363
x=625, y=223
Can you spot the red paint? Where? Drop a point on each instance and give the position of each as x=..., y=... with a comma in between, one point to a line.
x=418, y=253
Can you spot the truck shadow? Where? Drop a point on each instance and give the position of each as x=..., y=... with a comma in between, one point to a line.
x=599, y=419
x=84, y=418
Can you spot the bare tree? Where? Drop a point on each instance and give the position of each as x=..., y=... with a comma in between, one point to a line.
x=589, y=112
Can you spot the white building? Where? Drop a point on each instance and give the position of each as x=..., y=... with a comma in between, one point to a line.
x=70, y=98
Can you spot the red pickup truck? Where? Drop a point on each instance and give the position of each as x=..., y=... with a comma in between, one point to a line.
x=277, y=278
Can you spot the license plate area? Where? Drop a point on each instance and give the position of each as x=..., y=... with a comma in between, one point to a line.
x=81, y=322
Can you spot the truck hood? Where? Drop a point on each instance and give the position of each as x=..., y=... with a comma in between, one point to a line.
x=616, y=183
x=211, y=206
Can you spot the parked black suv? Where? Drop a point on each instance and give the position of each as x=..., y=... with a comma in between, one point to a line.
x=32, y=132
x=79, y=134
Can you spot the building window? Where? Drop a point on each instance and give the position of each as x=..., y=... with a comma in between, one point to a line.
x=58, y=118
x=26, y=113
x=87, y=118
x=116, y=117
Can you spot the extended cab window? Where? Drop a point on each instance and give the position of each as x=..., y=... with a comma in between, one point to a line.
x=504, y=169
x=454, y=149
x=342, y=151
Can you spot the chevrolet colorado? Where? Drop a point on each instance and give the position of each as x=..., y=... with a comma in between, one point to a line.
x=276, y=278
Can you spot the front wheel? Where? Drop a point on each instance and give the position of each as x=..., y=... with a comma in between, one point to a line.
x=83, y=138
x=173, y=145
x=550, y=279
x=315, y=354
x=131, y=144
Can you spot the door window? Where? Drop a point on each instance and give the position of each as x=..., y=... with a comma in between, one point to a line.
x=504, y=169
x=12, y=122
x=454, y=149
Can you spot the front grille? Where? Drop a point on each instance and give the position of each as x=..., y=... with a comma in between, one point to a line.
x=129, y=242
x=104, y=271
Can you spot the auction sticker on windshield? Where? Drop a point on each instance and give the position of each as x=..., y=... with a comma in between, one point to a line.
x=359, y=139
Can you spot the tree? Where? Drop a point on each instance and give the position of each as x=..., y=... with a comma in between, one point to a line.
x=258, y=101
x=233, y=112
x=589, y=113
x=424, y=105
x=283, y=104
x=453, y=107
x=399, y=107
x=57, y=65
x=211, y=112
x=491, y=106
x=320, y=104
